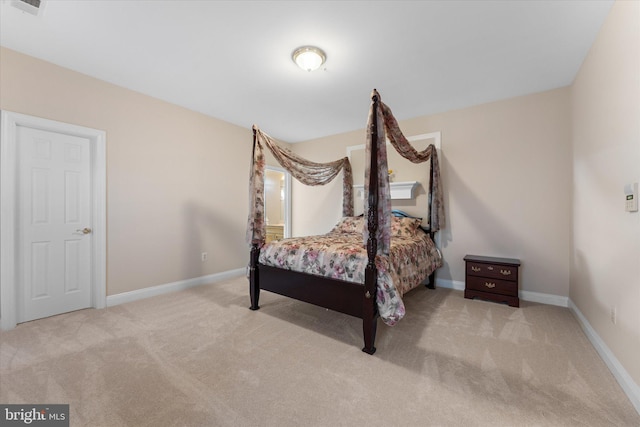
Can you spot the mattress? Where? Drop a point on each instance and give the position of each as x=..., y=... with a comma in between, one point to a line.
x=341, y=254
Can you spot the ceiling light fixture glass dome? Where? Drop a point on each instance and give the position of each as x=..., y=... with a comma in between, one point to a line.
x=309, y=58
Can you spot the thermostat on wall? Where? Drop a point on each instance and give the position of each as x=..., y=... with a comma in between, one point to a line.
x=631, y=195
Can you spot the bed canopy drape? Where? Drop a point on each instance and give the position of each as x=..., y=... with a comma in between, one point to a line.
x=305, y=171
x=377, y=135
x=406, y=150
x=312, y=173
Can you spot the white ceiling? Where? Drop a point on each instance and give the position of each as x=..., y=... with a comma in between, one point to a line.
x=232, y=59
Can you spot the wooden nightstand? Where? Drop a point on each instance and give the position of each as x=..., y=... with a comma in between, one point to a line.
x=495, y=279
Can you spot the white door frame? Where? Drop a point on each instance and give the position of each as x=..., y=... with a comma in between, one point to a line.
x=287, y=197
x=9, y=122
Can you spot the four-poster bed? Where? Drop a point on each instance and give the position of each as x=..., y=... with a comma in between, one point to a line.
x=358, y=269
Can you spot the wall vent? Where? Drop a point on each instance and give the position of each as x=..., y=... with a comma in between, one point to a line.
x=33, y=7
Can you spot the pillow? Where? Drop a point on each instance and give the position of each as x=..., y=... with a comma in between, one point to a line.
x=349, y=224
x=401, y=226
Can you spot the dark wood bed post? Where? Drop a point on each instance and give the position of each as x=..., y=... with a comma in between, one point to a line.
x=370, y=309
x=432, y=235
x=254, y=282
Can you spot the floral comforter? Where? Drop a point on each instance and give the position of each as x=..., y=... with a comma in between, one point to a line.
x=340, y=254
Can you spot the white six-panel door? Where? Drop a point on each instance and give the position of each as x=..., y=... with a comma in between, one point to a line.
x=52, y=218
x=54, y=223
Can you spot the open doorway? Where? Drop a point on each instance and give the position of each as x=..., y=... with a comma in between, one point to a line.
x=277, y=203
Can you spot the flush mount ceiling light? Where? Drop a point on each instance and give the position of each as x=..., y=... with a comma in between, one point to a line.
x=309, y=58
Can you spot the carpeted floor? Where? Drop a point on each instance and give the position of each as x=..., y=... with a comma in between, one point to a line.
x=200, y=357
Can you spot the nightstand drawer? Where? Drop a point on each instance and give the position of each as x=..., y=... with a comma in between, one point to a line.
x=495, y=286
x=502, y=272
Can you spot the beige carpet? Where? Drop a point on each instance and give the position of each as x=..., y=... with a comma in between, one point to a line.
x=201, y=358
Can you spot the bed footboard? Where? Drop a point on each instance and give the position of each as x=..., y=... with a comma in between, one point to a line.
x=336, y=295
x=345, y=297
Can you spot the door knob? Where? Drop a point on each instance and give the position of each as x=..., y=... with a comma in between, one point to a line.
x=85, y=230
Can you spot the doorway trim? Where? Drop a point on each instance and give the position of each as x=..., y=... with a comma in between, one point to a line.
x=287, y=197
x=9, y=122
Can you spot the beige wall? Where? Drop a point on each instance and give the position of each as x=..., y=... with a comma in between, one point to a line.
x=176, y=179
x=316, y=209
x=605, y=264
x=506, y=169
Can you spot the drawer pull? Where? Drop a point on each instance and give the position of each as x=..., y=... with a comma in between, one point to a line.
x=490, y=285
x=475, y=268
x=505, y=272
x=490, y=268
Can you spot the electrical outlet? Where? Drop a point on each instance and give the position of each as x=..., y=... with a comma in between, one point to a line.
x=204, y=256
x=614, y=315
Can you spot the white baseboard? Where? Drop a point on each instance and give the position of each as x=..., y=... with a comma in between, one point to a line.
x=153, y=291
x=629, y=386
x=548, y=299
x=449, y=284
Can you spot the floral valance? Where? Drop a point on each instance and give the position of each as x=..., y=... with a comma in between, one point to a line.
x=305, y=171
